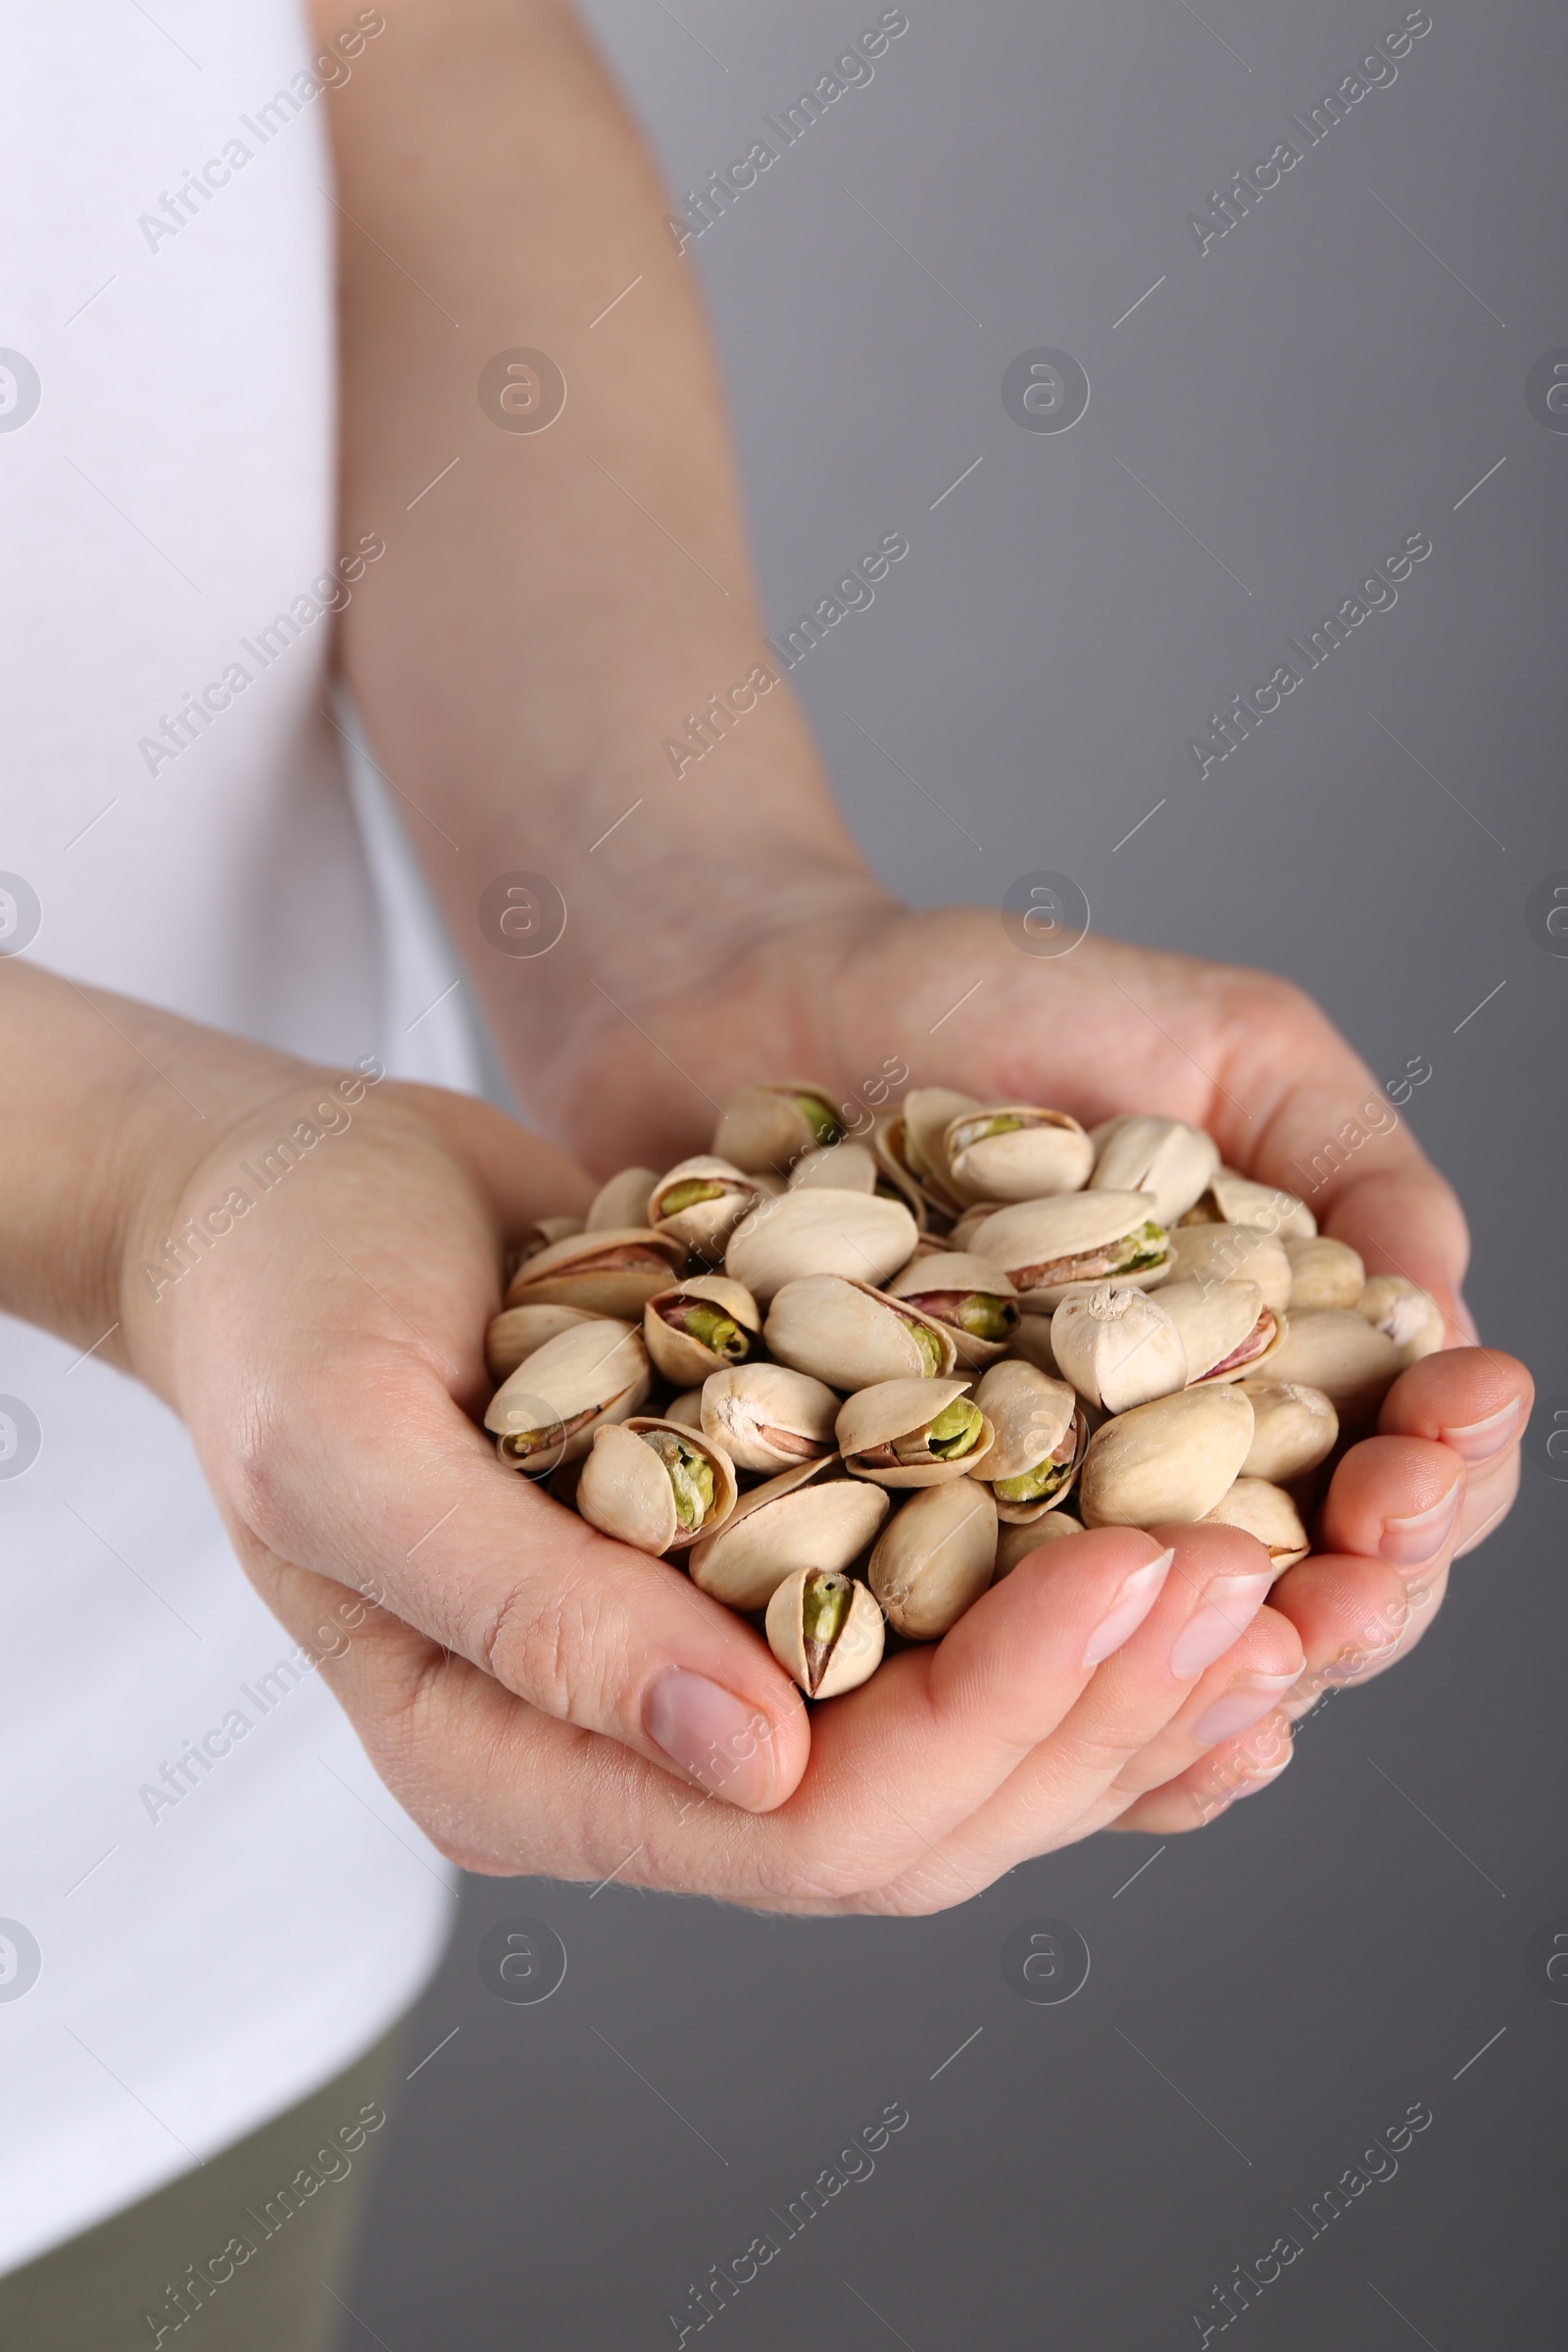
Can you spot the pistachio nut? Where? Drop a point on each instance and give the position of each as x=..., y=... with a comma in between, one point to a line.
x=1163, y=1157
x=1030, y=1344
x=820, y=1231
x=547, y=1411
x=810, y=1516
x=1168, y=1460
x=1226, y=1330
x=912, y=1433
x=1233, y=1199
x=1047, y=1247
x=696, y=1327
x=966, y=1226
x=767, y=1417
x=1117, y=1346
x=852, y=1336
x=623, y=1201
x=686, y=1410
x=701, y=1201
x=1294, y=1428
x=517, y=1330
x=1267, y=1512
x=843, y=1167
x=1324, y=1273
x=539, y=1236
x=612, y=1272
x=909, y=1144
x=1016, y=1541
x=967, y=1296
x=935, y=1557
x=826, y=1630
x=1014, y=1152
x=1041, y=1432
x=654, y=1484
x=1205, y=1254
x=1404, y=1313
x=1335, y=1349
x=772, y=1126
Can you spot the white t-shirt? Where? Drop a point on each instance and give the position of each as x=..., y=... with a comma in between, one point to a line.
x=165, y=493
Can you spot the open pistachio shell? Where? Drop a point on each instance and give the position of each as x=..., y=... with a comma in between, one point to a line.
x=1163, y=1157
x=1047, y=1247
x=1267, y=1512
x=623, y=1201
x=851, y=1336
x=1337, y=1350
x=1117, y=1346
x=517, y=1330
x=1404, y=1313
x=1040, y=1434
x=613, y=1272
x=1294, y=1428
x=654, y=1484
x=1169, y=1460
x=969, y=1223
x=935, y=1557
x=826, y=1630
x=1324, y=1273
x=701, y=1201
x=1226, y=1330
x=967, y=1296
x=842, y=1168
x=912, y=1433
x=820, y=1231
x=699, y=1325
x=907, y=1142
x=810, y=1517
x=686, y=1410
x=1016, y=1541
x=1233, y=1199
x=1030, y=1344
x=1205, y=1254
x=772, y=1126
x=767, y=1417
x=546, y=1414
x=1015, y=1152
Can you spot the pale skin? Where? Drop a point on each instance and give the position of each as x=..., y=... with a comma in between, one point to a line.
x=530, y=1690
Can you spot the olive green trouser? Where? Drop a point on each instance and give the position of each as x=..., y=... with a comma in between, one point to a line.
x=108, y=2290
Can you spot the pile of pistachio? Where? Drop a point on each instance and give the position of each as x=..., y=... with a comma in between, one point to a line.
x=849, y=1383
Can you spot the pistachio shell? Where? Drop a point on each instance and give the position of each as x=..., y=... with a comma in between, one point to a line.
x=1226, y=1330
x=517, y=1330
x=764, y=1126
x=850, y=1335
x=810, y=1517
x=1335, y=1349
x=1039, y=1154
x=626, y=1490
x=1324, y=1273
x=1231, y=1254
x=612, y=1272
x=941, y=1284
x=1049, y=1247
x=1235, y=1200
x=887, y=1149
x=897, y=1413
x=1037, y=1419
x=854, y=1655
x=820, y=1231
x=1404, y=1313
x=843, y=1167
x=705, y=1226
x=1015, y=1541
x=686, y=1412
x=767, y=1417
x=1163, y=1157
x=623, y=1201
x=1267, y=1512
x=935, y=1558
x=928, y=1111
x=1030, y=1344
x=680, y=1355
x=1168, y=1460
x=968, y=1224
x=1294, y=1428
x=596, y=1371
x=1117, y=1346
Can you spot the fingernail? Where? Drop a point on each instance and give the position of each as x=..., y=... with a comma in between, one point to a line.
x=1261, y=1780
x=726, y=1745
x=1237, y=1709
x=1408, y=1541
x=1230, y=1604
x=1132, y=1604
x=1478, y=1440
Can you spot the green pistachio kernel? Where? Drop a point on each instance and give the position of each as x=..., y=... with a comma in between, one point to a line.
x=691, y=1474
x=1144, y=1245
x=955, y=1430
x=984, y=1316
x=1032, y=1485
x=690, y=1194
x=930, y=1345
x=712, y=1327
x=824, y=1607
x=818, y=1116
x=1004, y=1123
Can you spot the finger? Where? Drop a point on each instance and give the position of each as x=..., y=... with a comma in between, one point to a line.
x=1355, y=1617
x=1394, y=1499
x=1210, y=1787
x=1474, y=1401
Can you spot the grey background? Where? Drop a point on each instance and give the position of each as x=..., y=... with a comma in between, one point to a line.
x=1313, y=388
